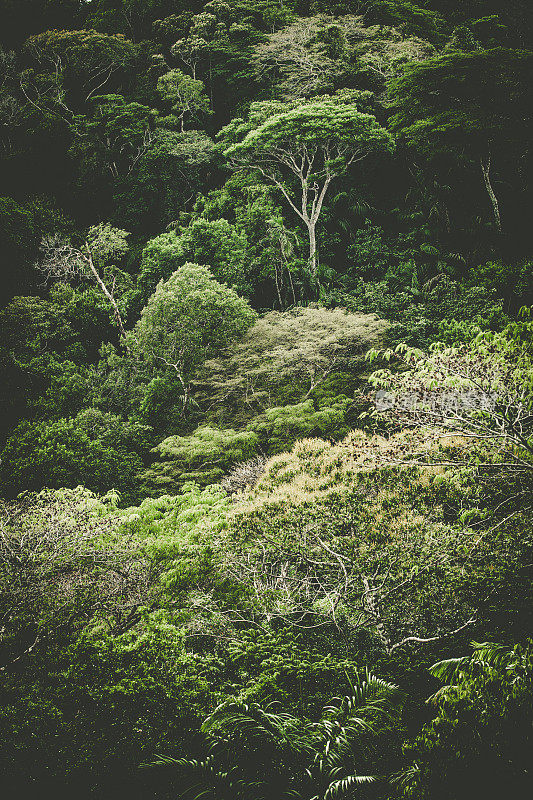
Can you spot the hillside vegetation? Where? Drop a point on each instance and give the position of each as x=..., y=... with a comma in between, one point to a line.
x=266, y=399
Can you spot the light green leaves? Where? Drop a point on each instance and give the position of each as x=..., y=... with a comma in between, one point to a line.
x=321, y=124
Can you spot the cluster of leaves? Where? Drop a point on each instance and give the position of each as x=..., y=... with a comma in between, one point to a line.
x=255, y=751
x=204, y=456
x=482, y=729
x=482, y=389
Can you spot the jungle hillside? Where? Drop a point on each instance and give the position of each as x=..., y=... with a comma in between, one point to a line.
x=266, y=399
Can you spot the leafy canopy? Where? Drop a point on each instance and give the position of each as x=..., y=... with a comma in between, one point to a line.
x=188, y=318
x=340, y=129
x=465, y=99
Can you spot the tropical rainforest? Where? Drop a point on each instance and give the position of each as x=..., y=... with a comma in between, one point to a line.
x=266, y=399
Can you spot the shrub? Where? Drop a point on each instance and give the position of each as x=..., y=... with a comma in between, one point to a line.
x=94, y=449
x=203, y=457
x=244, y=475
x=285, y=358
x=278, y=428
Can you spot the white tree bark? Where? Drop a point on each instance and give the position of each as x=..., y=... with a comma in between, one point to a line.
x=485, y=169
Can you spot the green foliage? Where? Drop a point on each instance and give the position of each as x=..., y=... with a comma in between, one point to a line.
x=300, y=148
x=278, y=428
x=285, y=755
x=107, y=243
x=481, y=733
x=379, y=135
x=484, y=96
x=203, y=457
x=324, y=518
x=186, y=95
x=275, y=271
x=421, y=318
x=116, y=134
x=218, y=244
x=322, y=53
x=108, y=666
x=136, y=665
x=483, y=110
x=414, y=17
x=168, y=172
x=285, y=358
x=157, y=402
x=45, y=350
x=92, y=449
x=482, y=389
x=326, y=124
x=83, y=60
x=18, y=243
x=189, y=317
x=160, y=258
x=512, y=281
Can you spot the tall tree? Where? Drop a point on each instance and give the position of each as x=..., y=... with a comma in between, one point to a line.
x=62, y=260
x=301, y=150
x=86, y=62
x=188, y=318
x=116, y=136
x=186, y=94
x=477, y=103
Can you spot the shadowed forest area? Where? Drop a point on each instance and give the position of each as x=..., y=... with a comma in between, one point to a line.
x=266, y=399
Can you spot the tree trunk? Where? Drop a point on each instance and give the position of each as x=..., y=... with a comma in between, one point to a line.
x=110, y=297
x=485, y=169
x=313, y=259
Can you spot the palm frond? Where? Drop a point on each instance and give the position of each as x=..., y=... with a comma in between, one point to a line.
x=406, y=779
x=200, y=779
x=234, y=722
x=347, y=785
x=370, y=694
x=449, y=669
x=487, y=654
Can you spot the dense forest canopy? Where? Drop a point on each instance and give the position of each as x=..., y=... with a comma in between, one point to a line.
x=266, y=399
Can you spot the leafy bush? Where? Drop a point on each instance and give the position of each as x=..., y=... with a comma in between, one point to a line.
x=95, y=449
x=160, y=258
x=97, y=675
x=203, y=457
x=416, y=314
x=216, y=243
x=278, y=428
x=285, y=358
x=397, y=554
x=189, y=318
